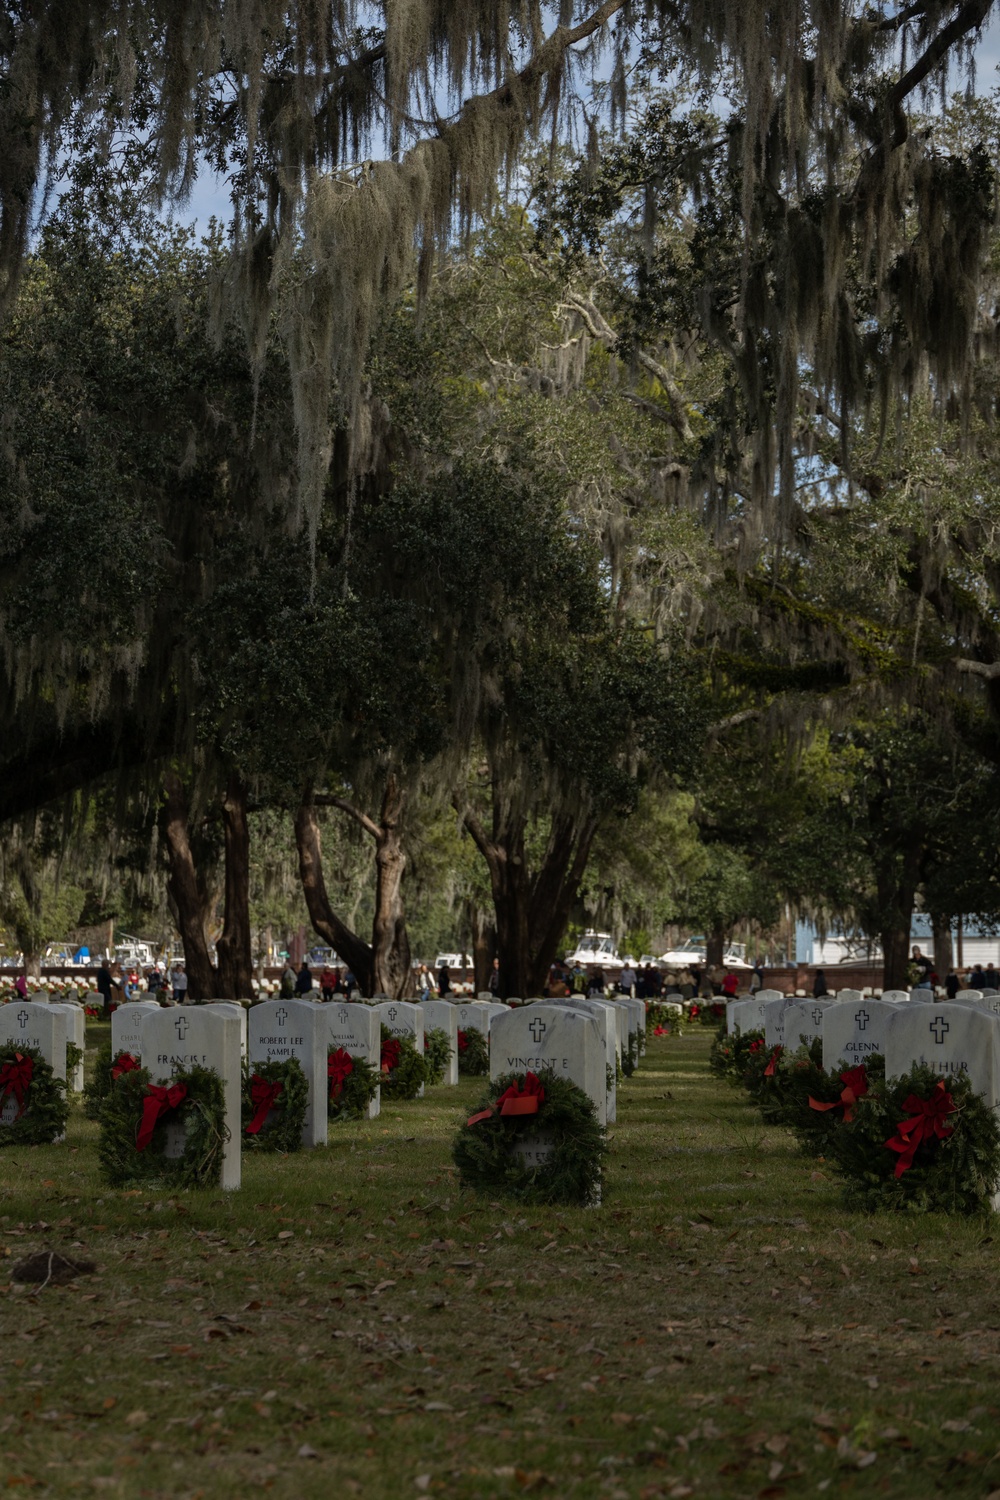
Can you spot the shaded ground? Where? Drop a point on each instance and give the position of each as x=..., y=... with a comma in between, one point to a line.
x=351, y=1323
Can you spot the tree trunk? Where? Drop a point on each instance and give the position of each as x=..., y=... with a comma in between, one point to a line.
x=715, y=948
x=184, y=892
x=392, y=972
x=941, y=938
x=484, y=946
x=235, y=972
x=354, y=951
x=896, y=880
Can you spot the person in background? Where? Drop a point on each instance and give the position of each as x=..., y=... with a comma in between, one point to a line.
x=952, y=984
x=104, y=983
x=730, y=984
x=287, y=980
x=977, y=979
x=350, y=983
x=626, y=980
x=304, y=980
x=991, y=979
x=179, y=984
x=578, y=979
x=444, y=980
x=493, y=983
x=596, y=985
x=21, y=986
x=924, y=967
x=819, y=985
x=757, y=977
x=328, y=982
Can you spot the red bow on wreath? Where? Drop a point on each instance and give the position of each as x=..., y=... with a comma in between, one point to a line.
x=855, y=1082
x=463, y=1041
x=926, y=1120
x=339, y=1067
x=695, y=1010
x=158, y=1101
x=15, y=1078
x=124, y=1063
x=661, y=1031
x=263, y=1096
x=515, y=1100
x=773, y=1063
x=756, y=1045
x=390, y=1054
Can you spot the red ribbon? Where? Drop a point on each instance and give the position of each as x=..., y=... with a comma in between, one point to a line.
x=515, y=1100
x=756, y=1044
x=661, y=1031
x=463, y=1041
x=926, y=1120
x=855, y=1082
x=124, y=1063
x=15, y=1078
x=158, y=1101
x=339, y=1067
x=263, y=1096
x=390, y=1054
x=769, y=1070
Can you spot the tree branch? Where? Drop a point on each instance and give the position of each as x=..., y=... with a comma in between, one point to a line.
x=601, y=330
x=367, y=823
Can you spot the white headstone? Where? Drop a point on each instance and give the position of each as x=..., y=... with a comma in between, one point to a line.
x=849, y=997
x=636, y=1012
x=38, y=1026
x=967, y=995
x=949, y=1039
x=356, y=1029
x=76, y=1032
x=896, y=997
x=473, y=1017
x=230, y=1008
x=442, y=1015
x=497, y=1008
x=403, y=1019
x=748, y=1015
x=200, y=1034
x=774, y=1020
x=608, y=1023
x=280, y=1029
x=803, y=1022
x=923, y=995
x=562, y=1038
x=126, y=1026
x=851, y=1033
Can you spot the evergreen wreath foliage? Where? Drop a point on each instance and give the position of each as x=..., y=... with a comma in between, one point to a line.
x=437, y=1050
x=202, y=1113
x=766, y=1075
x=44, y=1110
x=74, y=1057
x=488, y=1162
x=356, y=1092
x=709, y=1012
x=97, y=1090
x=958, y=1174
x=640, y=1039
x=405, y=1079
x=804, y=1079
x=288, y=1113
x=730, y=1054
x=630, y=1056
x=473, y=1053
x=665, y=1013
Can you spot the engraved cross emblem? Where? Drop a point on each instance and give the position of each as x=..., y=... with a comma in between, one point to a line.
x=538, y=1028
x=344, y=1017
x=817, y=1014
x=23, y=1017
x=940, y=1028
x=861, y=1019
x=281, y=1015
x=182, y=1023
x=392, y=1013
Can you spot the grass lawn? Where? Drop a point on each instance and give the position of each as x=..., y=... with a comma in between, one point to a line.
x=351, y=1323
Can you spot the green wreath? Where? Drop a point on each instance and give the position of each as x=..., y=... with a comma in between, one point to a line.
x=630, y=1056
x=202, y=1113
x=404, y=1069
x=473, y=1053
x=957, y=1172
x=350, y=1093
x=816, y=1104
x=74, y=1057
x=485, y=1148
x=731, y=1052
x=276, y=1092
x=96, y=1091
x=40, y=1097
x=437, y=1050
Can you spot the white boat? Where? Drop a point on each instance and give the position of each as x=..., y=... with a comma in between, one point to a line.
x=596, y=949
